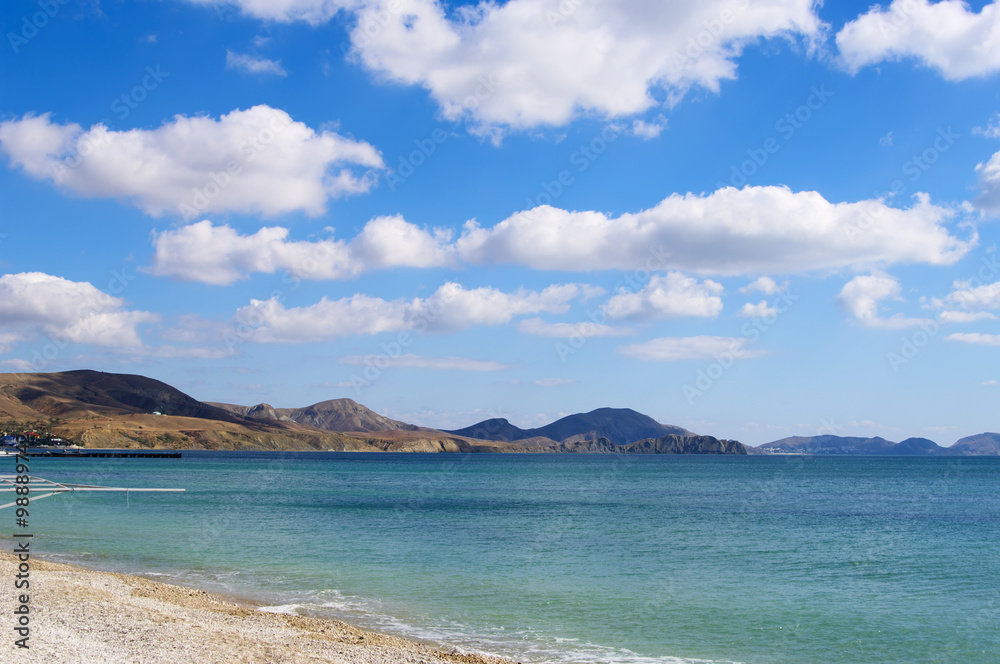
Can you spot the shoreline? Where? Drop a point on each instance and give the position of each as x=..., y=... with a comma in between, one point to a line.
x=84, y=616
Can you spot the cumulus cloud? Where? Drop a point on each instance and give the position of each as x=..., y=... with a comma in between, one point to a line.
x=991, y=130
x=34, y=304
x=967, y=296
x=861, y=296
x=947, y=36
x=584, y=329
x=759, y=310
x=975, y=338
x=765, y=285
x=251, y=64
x=527, y=63
x=258, y=160
x=668, y=296
x=450, y=308
x=729, y=232
x=649, y=130
x=670, y=349
x=989, y=185
x=221, y=255
x=425, y=362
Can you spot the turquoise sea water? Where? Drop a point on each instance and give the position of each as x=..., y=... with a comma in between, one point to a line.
x=760, y=560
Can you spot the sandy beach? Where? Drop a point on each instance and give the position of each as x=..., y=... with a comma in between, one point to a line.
x=79, y=616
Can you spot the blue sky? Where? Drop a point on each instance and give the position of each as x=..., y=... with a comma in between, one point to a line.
x=750, y=219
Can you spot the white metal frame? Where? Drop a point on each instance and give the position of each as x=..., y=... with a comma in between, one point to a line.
x=8, y=483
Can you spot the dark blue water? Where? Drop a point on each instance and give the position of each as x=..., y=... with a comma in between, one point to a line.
x=804, y=560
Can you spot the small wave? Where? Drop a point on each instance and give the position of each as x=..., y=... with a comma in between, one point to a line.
x=523, y=645
x=289, y=609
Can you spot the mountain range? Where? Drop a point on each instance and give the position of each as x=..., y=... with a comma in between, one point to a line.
x=97, y=409
x=619, y=425
x=984, y=444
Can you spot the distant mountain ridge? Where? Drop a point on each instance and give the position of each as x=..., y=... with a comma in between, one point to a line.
x=621, y=426
x=99, y=409
x=984, y=444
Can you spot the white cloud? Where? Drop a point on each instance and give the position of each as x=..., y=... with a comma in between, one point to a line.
x=253, y=65
x=991, y=130
x=668, y=296
x=527, y=63
x=450, y=308
x=424, y=362
x=964, y=316
x=990, y=382
x=759, y=310
x=765, y=285
x=313, y=12
x=861, y=296
x=730, y=232
x=669, y=349
x=975, y=338
x=967, y=296
x=33, y=304
x=989, y=184
x=258, y=160
x=946, y=36
x=220, y=255
x=553, y=382
x=584, y=329
x=649, y=130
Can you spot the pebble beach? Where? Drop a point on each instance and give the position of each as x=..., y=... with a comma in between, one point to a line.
x=81, y=616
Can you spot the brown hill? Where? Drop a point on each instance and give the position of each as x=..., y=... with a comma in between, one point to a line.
x=107, y=410
x=97, y=409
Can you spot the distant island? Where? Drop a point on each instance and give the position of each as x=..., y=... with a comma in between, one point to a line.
x=109, y=410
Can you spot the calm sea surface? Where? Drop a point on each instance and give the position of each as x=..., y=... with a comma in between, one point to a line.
x=760, y=560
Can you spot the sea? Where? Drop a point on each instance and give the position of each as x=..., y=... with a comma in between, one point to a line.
x=568, y=558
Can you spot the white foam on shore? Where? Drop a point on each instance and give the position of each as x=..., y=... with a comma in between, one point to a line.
x=289, y=609
x=524, y=645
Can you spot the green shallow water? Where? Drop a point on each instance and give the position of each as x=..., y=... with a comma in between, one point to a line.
x=761, y=560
